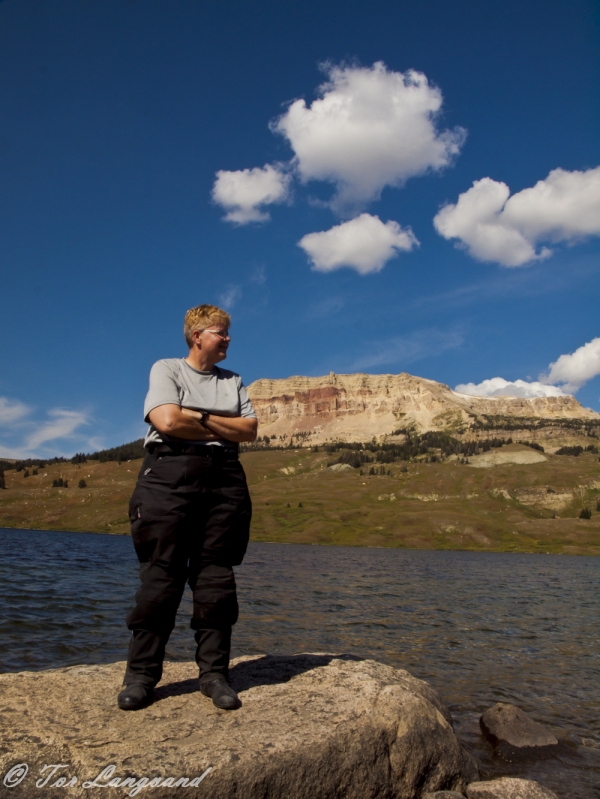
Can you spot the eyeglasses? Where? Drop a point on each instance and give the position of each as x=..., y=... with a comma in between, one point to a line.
x=217, y=333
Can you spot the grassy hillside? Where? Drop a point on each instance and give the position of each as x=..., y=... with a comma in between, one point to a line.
x=297, y=499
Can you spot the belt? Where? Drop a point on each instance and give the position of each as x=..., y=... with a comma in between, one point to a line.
x=214, y=451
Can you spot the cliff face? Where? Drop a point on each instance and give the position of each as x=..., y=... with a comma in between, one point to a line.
x=359, y=406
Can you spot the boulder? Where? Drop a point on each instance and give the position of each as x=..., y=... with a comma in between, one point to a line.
x=506, y=723
x=310, y=726
x=341, y=467
x=509, y=788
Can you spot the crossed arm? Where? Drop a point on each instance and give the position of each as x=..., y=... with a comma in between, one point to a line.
x=185, y=423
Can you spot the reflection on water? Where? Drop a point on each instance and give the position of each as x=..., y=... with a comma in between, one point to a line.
x=480, y=627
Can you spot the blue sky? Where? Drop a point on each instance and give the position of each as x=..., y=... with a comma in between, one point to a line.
x=130, y=129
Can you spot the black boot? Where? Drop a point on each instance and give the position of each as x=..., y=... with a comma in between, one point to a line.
x=135, y=696
x=221, y=694
x=212, y=652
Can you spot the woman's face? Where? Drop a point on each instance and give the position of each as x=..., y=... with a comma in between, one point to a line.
x=214, y=342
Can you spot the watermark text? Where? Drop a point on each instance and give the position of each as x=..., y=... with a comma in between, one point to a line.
x=53, y=775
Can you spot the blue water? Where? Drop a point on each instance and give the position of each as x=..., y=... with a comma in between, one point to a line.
x=479, y=627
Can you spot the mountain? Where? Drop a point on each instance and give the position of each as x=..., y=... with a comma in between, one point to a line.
x=357, y=407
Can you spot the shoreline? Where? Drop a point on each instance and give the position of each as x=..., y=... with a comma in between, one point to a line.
x=331, y=545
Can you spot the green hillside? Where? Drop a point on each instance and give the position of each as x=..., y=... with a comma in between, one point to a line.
x=510, y=507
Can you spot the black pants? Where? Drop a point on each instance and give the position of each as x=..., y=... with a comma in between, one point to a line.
x=190, y=521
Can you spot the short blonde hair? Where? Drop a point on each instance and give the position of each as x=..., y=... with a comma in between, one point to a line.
x=203, y=316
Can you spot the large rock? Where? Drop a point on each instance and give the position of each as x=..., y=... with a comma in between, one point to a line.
x=310, y=727
x=509, y=788
x=506, y=723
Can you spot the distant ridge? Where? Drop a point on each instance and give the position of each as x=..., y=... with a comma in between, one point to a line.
x=356, y=407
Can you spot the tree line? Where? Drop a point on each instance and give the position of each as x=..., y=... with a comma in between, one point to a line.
x=415, y=446
x=589, y=427
x=577, y=450
x=124, y=452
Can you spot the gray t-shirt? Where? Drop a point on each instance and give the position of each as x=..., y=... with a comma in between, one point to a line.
x=174, y=382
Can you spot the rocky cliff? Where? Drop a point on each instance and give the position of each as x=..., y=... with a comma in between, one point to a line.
x=359, y=406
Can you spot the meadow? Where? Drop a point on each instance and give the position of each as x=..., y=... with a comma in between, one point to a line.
x=510, y=507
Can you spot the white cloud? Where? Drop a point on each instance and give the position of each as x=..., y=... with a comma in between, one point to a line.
x=498, y=387
x=364, y=243
x=571, y=371
x=62, y=424
x=12, y=410
x=370, y=128
x=96, y=443
x=243, y=193
x=13, y=453
x=406, y=349
x=230, y=296
x=23, y=435
x=493, y=226
x=325, y=308
x=576, y=369
x=259, y=275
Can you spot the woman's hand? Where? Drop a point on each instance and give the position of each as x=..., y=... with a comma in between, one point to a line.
x=187, y=423
x=180, y=423
x=233, y=428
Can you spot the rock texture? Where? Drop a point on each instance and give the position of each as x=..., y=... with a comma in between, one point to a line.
x=358, y=406
x=509, y=788
x=318, y=726
x=506, y=723
x=496, y=457
x=443, y=795
x=544, y=496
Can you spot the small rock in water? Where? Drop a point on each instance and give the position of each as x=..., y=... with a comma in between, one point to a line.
x=505, y=723
x=509, y=788
x=589, y=742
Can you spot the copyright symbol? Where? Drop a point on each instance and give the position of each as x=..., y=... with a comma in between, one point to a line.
x=16, y=775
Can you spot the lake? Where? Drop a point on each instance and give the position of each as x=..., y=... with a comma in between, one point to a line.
x=479, y=627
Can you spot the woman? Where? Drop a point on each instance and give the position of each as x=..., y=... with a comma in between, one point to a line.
x=190, y=510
